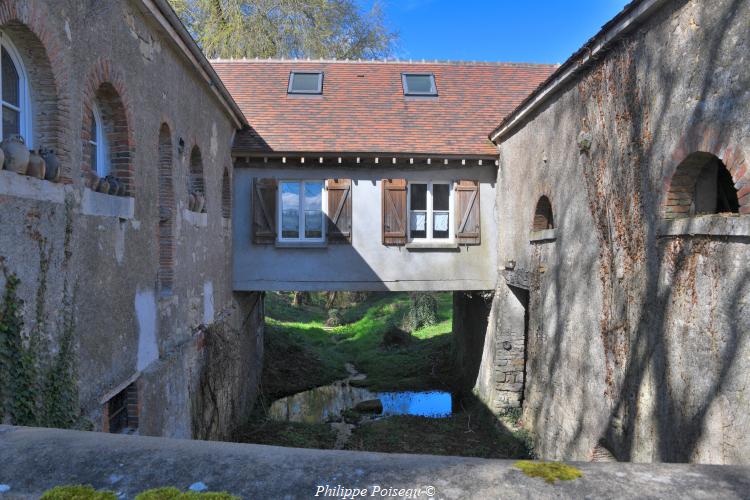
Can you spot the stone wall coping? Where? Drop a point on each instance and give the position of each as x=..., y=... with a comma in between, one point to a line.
x=107, y=205
x=23, y=186
x=543, y=236
x=36, y=459
x=706, y=225
x=195, y=218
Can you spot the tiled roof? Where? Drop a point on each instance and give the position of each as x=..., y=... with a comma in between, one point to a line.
x=363, y=108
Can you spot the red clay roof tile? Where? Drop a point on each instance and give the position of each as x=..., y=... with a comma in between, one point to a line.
x=363, y=108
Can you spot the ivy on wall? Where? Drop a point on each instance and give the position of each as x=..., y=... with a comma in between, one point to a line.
x=37, y=387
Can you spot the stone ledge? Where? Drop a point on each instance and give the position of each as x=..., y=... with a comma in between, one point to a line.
x=194, y=218
x=706, y=225
x=432, y=245
x=35, y=460
x=544, y=236
x=22, y=186
x=107, y=205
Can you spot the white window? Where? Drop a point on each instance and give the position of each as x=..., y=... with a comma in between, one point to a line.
x=430, y=211
x=16, y=107
x=305, y=83
x=301, y=216
x=98, y=147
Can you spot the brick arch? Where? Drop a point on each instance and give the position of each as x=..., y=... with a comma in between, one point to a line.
x=226, y=194
x=165, y=275
x=105, y=86
x=543, y=217
x=23, y=21
x=693, y=148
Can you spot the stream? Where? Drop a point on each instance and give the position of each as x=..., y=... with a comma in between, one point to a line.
x=326, y=404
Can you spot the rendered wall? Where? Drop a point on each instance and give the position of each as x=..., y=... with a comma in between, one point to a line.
x=638, y=327
x=366, y=264
x=62, y=238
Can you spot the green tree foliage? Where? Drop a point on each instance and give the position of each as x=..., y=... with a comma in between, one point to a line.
x=286, y=28
x=423, y=311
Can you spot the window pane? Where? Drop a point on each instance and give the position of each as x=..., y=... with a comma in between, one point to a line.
x=11, y=80
x=440, y=225
x=94, y=159
x=418, y=193
x=313, y=210
x=418, y=225
x=290, y=210
x=11, y=122
x=440, y=197
x=305, y=82
x=419, y=84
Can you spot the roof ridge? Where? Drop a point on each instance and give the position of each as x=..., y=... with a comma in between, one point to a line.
x=382, y=61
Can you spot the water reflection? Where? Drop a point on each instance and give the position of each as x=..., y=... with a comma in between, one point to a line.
x=328, y=402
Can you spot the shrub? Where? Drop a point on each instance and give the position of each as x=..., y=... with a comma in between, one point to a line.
x=77, y=492
x=423, y=311
x=334, y=318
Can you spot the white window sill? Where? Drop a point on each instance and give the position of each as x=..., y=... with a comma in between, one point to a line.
x=195, y=218
x=432, y=245
x=22, y=186
x=707, y=225
x=301, y=244
x=543, y=236
x=106, y=205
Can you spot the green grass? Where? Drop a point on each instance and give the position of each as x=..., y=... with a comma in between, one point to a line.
x=301, y=353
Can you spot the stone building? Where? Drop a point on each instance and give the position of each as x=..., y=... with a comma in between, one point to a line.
x=390, y=161
x=624, y=220
x=137, y=277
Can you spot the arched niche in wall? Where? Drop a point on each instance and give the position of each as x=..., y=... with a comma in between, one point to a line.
x=701, y=185
x=196, y=182
x=226, y=194
x=166, y=212
x=543, y=218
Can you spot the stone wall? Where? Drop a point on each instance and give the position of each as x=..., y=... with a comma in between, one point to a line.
x=637, y=337
x=139, y=273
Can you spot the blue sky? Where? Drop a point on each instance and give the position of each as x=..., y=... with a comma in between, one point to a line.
x=540, y=31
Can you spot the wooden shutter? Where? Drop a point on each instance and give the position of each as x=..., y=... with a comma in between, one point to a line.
x=264, y=211
x=339, y=210
x=468, y=230
x=394, y=211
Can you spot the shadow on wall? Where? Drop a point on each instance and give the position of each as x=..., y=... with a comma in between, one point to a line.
x=673, y=309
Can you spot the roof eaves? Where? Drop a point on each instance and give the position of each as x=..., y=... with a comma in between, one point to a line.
x=631, y=16
x=168, y=19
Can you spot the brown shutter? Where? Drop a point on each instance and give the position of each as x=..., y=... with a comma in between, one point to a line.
x=339, y=210
x=394, y=211
x=467, y=213
x=264, y=211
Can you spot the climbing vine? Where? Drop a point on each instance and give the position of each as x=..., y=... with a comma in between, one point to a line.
x=36, y=388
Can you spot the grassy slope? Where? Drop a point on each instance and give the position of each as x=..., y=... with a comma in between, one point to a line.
x=301, y=353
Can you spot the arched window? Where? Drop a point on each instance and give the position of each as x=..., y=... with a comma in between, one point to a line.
x=99, y=149
x=196, y=184
x=543, y=215
x=226, y=195
x=700, y=185
x=16, y=107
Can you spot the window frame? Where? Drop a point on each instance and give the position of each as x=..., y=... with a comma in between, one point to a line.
x=430, y=212
x=433, y=92
x=292, y=74
x=103, y=165
x=301, y=232
x=25, y=126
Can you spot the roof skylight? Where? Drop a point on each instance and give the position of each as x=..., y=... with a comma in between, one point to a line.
x=305, y=82
x=419, y=84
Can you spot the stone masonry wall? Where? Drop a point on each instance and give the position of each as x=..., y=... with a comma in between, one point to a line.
x=638, y=326
x=98, y=256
